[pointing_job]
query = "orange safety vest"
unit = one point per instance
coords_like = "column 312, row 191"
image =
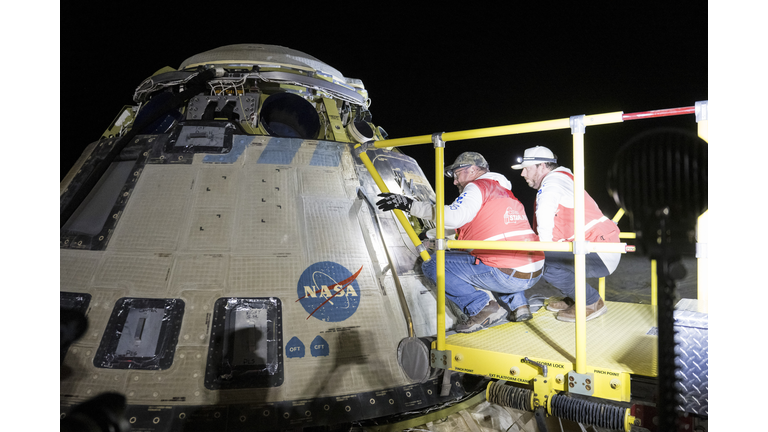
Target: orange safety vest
column 598, row 228
column 501, row 218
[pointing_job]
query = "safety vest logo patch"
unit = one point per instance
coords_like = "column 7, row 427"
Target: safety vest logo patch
column 512, row 216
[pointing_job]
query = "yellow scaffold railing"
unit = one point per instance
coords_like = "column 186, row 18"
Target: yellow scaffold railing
column 702, row 225
column 579, row 246
column 398, row 213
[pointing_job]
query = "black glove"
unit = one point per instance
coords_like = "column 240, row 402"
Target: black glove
column 391, row 201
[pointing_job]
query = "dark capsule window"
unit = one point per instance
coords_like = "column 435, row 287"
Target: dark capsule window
column 141, row 334
column 246, row 348
column 92, row 214
column 290, row 116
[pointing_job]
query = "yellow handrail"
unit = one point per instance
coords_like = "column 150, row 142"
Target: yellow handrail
column 579, row 258
column 547, row 125
column 654, row 284
column 440, row 252
column 579, row 246
column 398, row 213
column 511, row 245
column 579, row 237
column 702, row 225
column 535, row 246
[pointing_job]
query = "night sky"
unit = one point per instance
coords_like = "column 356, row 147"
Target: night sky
column 426, row 71
column 452, row 68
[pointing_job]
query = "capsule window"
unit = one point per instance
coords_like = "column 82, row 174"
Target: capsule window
column 246, row 349
column 93, row 213
column 290, row 116
column 141, row 334
column 360, row 130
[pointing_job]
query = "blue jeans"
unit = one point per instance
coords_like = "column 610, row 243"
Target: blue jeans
column 462, row 276
column 559, row 272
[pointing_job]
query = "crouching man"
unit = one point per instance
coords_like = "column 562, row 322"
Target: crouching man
column 554, row 223
column 485, row 210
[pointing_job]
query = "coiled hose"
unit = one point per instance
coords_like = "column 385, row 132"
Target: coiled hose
column 509, row 396
column 578, row 410
column 583, row 411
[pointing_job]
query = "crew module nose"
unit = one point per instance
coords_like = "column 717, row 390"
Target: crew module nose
column 221, row 240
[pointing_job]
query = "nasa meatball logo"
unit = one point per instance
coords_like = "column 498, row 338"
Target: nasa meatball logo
column 328, row 291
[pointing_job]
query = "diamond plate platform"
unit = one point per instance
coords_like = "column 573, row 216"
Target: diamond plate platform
column 693, row 359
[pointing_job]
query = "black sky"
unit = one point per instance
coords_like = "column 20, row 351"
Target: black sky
column 426, row 69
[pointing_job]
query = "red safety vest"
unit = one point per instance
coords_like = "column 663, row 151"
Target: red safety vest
column 501, row 218
column 598, row 228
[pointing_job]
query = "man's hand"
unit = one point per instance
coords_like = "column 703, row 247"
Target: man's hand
column 391, row 201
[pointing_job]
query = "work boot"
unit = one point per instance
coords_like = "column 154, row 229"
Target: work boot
column 593, row 311
column 489, row 315
column 523, row 313
column 558, row 305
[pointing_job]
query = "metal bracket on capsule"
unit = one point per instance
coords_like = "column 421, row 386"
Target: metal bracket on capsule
column 440, row 359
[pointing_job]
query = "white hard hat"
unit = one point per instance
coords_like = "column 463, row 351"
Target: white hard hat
column 533, row 156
